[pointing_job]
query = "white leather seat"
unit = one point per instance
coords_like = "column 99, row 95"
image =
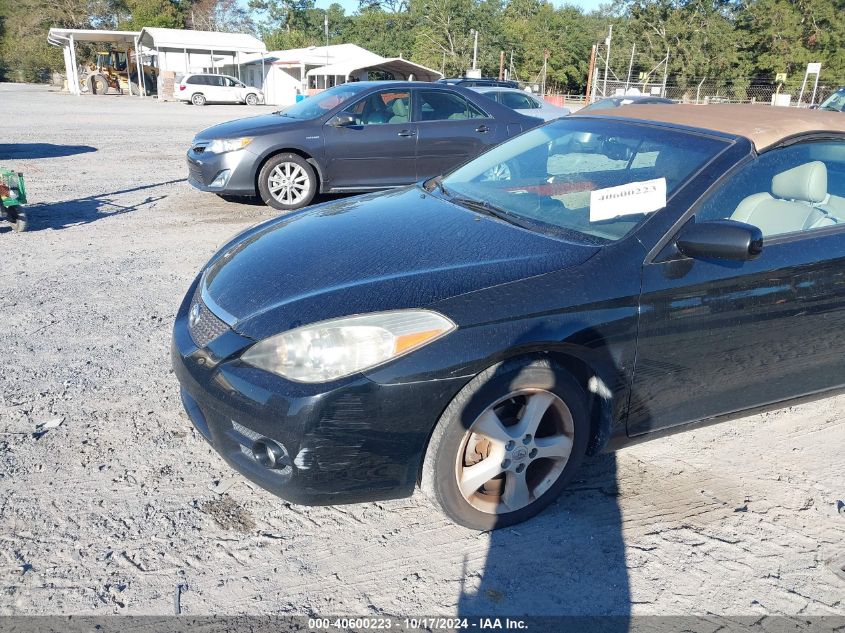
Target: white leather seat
column 795, row 204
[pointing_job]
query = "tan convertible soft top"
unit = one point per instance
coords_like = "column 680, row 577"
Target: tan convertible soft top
column 763, row 125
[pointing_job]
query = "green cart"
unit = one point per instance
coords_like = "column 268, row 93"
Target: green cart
column 12, row 199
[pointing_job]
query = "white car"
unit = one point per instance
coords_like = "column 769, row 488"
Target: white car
column 522, row 102
column 203, row 88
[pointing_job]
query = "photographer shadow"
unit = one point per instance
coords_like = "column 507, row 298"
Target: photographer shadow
column 568, row 561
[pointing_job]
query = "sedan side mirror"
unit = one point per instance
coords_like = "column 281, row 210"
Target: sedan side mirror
column 720, row 239
column 342, row 120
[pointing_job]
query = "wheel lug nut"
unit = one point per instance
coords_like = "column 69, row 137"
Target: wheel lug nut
column 526, row 439
column 520, row 468
column 533, row 453
column 509, row 446
column 506, row 464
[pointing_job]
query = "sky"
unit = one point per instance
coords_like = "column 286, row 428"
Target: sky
column 352, row 5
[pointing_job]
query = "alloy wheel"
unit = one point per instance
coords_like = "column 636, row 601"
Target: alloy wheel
column 515, row 451
column 498, row 172
column 288, row 183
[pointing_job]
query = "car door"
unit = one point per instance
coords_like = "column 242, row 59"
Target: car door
column 212, row 88
column 717, row 337
column 451, row 130
column 378, row 149
column 230, row 92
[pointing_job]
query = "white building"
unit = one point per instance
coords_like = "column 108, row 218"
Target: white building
column 184, row 51
column 283, row 75
column 176, row 51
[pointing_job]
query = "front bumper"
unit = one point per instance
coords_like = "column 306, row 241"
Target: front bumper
column 349, row 441
column 236, row 168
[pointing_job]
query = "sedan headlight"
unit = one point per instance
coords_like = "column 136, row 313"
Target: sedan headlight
column 328, row 350
column 221, row 145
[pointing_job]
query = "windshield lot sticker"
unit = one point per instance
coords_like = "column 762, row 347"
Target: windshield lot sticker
column 631, row 199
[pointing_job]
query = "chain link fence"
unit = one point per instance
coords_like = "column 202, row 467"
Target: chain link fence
column 720, row 91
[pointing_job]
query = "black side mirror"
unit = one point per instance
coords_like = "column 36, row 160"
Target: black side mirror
column 342, row 120
column 720, row 239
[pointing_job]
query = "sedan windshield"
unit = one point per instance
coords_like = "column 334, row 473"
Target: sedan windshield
column 836, row 101
column 320, row 104
column 596, row 179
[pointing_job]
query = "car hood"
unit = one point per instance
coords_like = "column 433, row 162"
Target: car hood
column 399, row 249
column 250, row 126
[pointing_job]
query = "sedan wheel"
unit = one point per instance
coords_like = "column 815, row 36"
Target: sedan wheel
column 514, row 451
column 251, row 99
column 287, row 182
column 507, row 444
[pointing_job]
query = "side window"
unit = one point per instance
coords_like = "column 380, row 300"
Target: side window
column 517, row 101
column 388, row 106
column 228, row 82
column 194, row 80
column 439, row 105
column 787, row 190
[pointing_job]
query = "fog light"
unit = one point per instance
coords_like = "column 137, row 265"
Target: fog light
column 270, row 454
column 221, row 179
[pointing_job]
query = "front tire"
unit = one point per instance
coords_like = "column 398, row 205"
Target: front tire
column 287, row 182
column 98, row 85
column 252, row 99
column 507, row 445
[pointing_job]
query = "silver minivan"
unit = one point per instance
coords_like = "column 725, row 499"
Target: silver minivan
column 203, row 88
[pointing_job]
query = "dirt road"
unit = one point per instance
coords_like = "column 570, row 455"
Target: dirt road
column 120, row 503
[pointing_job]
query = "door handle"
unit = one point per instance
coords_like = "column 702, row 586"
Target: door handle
column 482, row 128
column 407, row 133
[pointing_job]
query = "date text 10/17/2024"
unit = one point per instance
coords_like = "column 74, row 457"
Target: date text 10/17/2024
column 422, row 623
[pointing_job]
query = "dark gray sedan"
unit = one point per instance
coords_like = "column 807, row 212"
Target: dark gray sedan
column 359, row 136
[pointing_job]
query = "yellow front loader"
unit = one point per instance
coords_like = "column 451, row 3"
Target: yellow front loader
column 116, row 70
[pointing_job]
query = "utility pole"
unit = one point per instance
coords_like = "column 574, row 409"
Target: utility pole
column 326, row 29
column 665, row 72
column 474, row 48
column 630, row 66
column 510, row 67
column 501, row 65
column 590, row 75
column 607, row 59
column 545, row 70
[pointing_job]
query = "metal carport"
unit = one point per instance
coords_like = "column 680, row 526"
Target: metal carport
column 67, row 39
column 398, row 67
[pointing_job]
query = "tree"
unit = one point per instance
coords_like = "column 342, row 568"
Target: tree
column 156, row 13
column 220, row 15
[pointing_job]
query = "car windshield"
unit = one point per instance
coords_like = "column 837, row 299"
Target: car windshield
column 320, row 104
column 836, row 101
column 591, row 180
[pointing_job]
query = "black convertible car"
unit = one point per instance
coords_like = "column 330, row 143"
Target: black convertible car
column 358, row 136
column 621, row 277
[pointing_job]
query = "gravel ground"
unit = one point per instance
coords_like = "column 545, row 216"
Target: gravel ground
column 121, row 505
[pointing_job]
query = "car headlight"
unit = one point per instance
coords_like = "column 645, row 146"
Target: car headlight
column 328, row 350
column 221, row 145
